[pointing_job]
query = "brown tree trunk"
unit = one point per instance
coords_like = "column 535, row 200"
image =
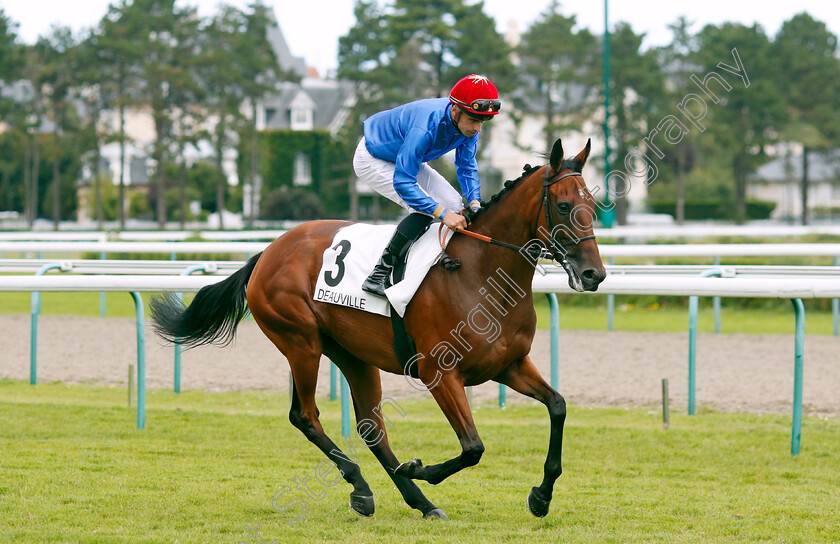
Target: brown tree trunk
column 121, row 203
column 739, row 171
column 56, row 174
column 27, row 181
column 220, row 186
column 804, row 187
column 36, row 162
column 680, row 186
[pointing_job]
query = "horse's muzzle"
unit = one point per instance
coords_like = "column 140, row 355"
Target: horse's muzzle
column 591, row 278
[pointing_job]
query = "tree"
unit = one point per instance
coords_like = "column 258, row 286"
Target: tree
column 159, row 41
column 260, row 73
column 92, row 77
column 481, row 50
column 558, row 59
column 748, row 116
column 807, row 76
column 11, row 59
column 31, row 112
column 675, row 59
column 118, row 63
column 11, row 62
column 58, row 75
column 237, row 63
column 172, row 42
column 364, row 56
column 418, row 49
column 636, row 90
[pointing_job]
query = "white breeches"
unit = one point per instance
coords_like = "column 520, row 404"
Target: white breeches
column 379, row 176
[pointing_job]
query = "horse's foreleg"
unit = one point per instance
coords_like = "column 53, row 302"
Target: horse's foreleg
column 524, row 377
column 452, row 399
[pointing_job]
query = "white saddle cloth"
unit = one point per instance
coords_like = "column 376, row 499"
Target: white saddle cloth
column 351, row 257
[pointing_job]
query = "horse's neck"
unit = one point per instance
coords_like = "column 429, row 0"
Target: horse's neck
column 510, row 220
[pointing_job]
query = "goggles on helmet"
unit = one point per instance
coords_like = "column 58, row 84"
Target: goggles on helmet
column 481, row 105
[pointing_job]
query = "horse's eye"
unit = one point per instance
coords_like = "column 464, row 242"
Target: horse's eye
column 564, row 207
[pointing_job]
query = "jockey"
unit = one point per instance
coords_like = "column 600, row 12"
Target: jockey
column 391, row 158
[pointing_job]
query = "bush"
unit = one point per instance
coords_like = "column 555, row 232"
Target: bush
column 292, row 203
column 714, row 208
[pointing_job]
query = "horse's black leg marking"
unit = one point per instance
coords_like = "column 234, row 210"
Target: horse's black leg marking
column 364, row 382
column 523, row 377
column 452, row 399
column 361, row 498
column 412, row 494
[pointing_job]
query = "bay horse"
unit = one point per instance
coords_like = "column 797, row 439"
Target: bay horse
column 549, row 205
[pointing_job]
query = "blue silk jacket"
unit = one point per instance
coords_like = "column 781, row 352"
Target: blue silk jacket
column 418, row 132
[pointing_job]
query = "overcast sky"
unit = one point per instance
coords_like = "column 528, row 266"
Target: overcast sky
column 312, row 27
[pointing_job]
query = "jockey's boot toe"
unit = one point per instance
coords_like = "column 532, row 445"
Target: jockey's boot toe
column 377, row 282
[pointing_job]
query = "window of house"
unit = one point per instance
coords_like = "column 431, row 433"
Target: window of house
column 303, row 170
column 301, row 118
column 302, row 112
column 138, row 172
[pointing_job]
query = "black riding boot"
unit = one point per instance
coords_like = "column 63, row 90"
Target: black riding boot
column 408, row 231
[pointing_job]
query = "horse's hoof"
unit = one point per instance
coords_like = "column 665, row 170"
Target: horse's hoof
column 437, row 513
column 362, row 505
column 409, row 468
column 537, row 504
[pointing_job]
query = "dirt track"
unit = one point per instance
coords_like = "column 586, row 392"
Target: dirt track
column 734, row 372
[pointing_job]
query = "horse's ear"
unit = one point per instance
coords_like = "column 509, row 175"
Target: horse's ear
column 556, row 155
column 583, row 155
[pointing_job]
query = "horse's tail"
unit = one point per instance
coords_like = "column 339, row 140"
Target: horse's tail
column 213, row 315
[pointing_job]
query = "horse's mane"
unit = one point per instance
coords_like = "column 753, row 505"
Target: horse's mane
column 568, row 164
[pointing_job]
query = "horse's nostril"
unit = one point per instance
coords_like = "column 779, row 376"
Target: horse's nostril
column 591, row 276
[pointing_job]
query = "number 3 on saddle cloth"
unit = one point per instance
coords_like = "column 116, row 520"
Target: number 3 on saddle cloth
column 350, row 258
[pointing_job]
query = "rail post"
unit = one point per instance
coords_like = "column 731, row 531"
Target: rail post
column 554, row 320
column 798, row 371
column 35, row 311
column 610, row 304
column 693, row 304
column 835, row 306
column 345, row 407
column 207, row 268
column 141, row 360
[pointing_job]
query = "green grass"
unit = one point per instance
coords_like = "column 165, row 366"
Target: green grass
column 85, row 304
column 75, row 469
column 776, row 318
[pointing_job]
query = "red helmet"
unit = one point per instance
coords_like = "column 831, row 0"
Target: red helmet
column 476, row 96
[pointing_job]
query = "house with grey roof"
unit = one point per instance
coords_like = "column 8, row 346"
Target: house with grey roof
column 780, row 180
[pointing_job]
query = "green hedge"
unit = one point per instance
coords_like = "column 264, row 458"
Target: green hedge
column 330, row 161
column 714, row 209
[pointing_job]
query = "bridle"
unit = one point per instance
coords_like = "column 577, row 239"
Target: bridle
column 545, row 201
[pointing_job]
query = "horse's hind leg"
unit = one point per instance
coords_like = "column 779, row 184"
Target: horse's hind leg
column 304, row 360
column 523, row 376
column 371, row 426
